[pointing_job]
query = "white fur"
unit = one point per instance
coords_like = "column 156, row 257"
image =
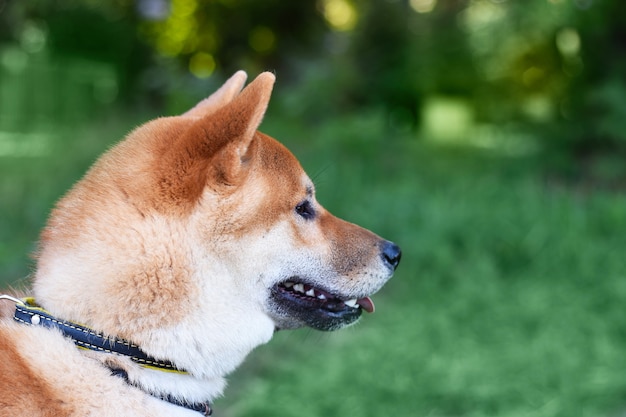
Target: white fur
column 190, row 282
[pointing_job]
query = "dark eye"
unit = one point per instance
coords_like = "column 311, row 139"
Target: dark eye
column 305, row 210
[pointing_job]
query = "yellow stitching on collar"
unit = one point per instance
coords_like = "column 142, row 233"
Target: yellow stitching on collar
column 172, row 371
column 31, row 305
column 139, row 362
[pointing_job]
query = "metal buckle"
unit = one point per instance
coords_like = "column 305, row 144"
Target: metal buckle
column 10, row 298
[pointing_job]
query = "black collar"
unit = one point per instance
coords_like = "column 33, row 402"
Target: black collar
column 204, row 408
column 28, row 312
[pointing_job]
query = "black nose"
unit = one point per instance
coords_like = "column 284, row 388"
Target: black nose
column 391, row 254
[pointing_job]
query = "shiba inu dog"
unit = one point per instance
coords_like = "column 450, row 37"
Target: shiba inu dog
column 182, row 249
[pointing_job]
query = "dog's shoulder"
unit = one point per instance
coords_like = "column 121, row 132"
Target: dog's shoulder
column 7, row 303
column 44, row 375
column 6, row 311
column 23, row 391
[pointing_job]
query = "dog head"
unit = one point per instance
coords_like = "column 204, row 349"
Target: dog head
column 197, row 236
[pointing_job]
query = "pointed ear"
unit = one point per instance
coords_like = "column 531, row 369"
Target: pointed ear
column 220, row 98
column 246, row 111
column 239, row 122
column 216, row 145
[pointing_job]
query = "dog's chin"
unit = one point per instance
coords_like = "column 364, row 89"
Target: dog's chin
column 295, row 304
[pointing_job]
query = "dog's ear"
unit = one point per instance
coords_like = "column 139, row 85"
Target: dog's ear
column 220, row 98
column 234, row 126
column 215, row 148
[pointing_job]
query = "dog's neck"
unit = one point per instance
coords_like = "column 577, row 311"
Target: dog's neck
column 202, row 407
column 159, row 378
column 181, row 387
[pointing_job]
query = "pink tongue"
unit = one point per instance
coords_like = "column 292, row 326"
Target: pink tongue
column 366, row 304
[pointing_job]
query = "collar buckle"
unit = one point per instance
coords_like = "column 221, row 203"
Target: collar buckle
column 17, row 301
column 28, row 312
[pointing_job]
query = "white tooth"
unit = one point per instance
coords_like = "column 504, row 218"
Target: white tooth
column 298, row 287
column 288, row 284
column 310, row 293
column 350, row 303
column 321, row 297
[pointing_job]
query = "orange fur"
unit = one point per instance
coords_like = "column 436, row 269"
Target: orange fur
column 181, row 239
column 22, row 392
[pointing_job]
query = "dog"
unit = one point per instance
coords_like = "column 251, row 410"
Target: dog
column 183, row 248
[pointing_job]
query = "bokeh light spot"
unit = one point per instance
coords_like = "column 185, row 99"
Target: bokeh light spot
column 14, row 60
column 33, row 38
column 423, row 6
column 202, row 64
column 262, row 39
column 568, row 42
column 341, row 15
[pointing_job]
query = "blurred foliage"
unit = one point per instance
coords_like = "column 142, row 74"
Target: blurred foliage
column 510, row 298
column 551, row 70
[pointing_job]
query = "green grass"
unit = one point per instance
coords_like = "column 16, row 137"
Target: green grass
column 509, row 300
column 30, row 183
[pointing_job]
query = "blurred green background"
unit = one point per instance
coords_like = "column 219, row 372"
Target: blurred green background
column 486, row 137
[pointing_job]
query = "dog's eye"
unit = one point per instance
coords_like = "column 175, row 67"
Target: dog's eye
column 305, row 210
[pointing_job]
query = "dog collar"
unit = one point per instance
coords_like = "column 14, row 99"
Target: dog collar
column 204, row 408
column 28, row 312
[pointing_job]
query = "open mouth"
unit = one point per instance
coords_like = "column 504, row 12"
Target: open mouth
column 309, row 294
column 316, row 307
